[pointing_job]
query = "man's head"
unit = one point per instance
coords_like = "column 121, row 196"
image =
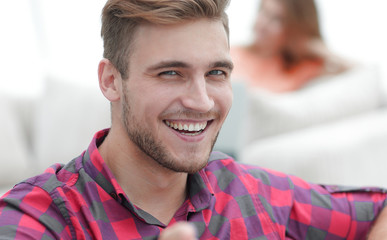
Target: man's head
column 172, row 93
column 121, row 18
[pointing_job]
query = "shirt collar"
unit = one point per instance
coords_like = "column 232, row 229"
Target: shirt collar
column 97, row 168
column 200, row 191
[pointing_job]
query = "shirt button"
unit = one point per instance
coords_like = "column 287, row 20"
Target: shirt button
column 113, row 195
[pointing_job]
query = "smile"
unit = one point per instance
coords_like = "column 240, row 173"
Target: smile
column 189, row 129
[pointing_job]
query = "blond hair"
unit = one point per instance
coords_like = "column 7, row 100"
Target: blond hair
column 120, row 19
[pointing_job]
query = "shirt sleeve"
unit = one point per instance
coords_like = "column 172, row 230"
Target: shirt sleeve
column 29, row 212
column 333, row 212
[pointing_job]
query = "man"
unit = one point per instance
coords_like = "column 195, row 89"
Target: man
column 166, row 73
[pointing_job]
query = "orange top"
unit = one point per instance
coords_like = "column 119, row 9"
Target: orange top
column 268, row 72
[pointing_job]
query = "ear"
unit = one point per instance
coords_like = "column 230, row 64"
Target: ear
column 109, row 80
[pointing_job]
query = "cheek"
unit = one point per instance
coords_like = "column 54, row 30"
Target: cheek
column 154, row 103
column 224, row 99
column 275, row 31
column 229, row 101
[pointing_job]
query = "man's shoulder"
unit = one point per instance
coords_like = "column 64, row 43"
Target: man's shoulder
column 40, row 201
column 54, row 177
column 225, row 165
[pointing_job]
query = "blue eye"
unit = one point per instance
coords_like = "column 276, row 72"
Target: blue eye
column 168, row 73
column 216, row 72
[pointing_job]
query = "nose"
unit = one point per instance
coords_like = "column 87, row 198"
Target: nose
column 196, row 96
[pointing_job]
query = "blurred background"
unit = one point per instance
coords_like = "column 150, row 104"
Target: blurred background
column 50, row 50
column 61, row 38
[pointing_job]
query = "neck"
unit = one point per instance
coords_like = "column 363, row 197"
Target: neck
column 148, row 185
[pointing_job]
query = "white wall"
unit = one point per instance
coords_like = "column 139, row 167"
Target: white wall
column 61, row 39
column 48, row 38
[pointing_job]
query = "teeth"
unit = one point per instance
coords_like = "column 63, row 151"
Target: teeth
column 187, row 127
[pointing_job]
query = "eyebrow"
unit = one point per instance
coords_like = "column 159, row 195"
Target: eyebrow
column 168, row 64
column 179, row 64
column 223, row 64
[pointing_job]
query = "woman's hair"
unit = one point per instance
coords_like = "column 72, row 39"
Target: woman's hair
column 120, row 19
column 301, row 23
column 302, row 17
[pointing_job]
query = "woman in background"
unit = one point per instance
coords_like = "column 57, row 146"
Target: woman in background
column 287, row 50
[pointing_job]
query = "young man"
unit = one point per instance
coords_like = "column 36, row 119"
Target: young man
column 166, row 73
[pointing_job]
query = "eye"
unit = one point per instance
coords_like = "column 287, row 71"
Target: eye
column 216, row 72
column 171, row 73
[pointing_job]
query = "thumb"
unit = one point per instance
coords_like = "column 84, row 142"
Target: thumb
column 179, row 231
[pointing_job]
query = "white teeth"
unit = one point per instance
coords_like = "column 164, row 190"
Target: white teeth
column 192, row 127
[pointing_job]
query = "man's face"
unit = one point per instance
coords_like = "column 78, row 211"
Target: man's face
column 178, row 92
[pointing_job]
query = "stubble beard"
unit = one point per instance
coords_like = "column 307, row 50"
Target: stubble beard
column 147, row 143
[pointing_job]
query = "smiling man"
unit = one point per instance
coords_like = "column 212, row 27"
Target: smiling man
column 175, row 99
column 166, row 71
column 167, row 113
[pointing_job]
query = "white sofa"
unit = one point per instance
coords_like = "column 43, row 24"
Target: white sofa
column 333, row 131
column 54, row 127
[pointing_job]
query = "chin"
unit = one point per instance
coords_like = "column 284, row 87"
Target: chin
column 188, row 163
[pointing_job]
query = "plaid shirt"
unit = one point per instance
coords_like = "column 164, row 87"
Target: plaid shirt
column 227, row 200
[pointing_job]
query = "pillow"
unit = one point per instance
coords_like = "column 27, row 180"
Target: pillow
column 14, row 157
column 325, row 99
column 67, row 118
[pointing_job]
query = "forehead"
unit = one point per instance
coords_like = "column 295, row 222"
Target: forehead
column 201, row 41
column 274, row 6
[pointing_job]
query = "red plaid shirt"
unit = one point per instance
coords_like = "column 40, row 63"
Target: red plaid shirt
column 227, row 200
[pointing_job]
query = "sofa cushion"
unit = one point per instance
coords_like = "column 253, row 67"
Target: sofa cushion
column 67, row 117
column 325, row 99
column 348, row 152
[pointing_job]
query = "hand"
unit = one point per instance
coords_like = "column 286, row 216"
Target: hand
column 179, row 231
column 379, row 230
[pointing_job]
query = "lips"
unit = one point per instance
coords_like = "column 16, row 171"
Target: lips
column 187, row 128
